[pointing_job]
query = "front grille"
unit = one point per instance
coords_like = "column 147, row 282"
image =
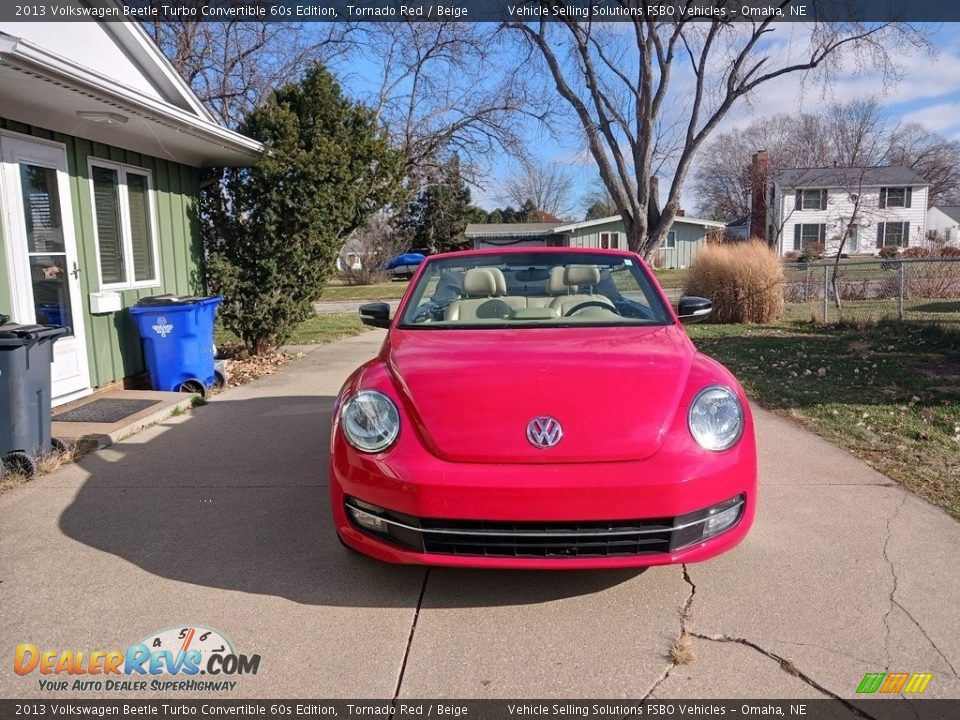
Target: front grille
column 479, row 538
column 524, row 539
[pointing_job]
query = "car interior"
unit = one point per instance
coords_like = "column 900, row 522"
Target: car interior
column 562, row 294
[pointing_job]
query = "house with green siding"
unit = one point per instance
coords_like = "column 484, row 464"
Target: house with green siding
column 686, row 236
column 102, row 145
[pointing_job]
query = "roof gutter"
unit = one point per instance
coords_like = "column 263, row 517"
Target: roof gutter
column 34, row 59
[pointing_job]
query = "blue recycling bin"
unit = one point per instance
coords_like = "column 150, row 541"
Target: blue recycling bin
column 177, row 334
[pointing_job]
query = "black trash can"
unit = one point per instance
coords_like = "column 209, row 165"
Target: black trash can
column 26, row 354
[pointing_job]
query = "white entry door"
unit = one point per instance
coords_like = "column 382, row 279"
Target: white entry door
column 42, row 253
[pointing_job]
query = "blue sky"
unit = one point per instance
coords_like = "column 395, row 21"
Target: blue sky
column 928, row 93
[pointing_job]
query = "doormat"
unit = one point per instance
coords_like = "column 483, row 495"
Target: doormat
column 104, row 410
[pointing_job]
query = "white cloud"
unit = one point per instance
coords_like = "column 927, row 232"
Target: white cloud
column 943, row 117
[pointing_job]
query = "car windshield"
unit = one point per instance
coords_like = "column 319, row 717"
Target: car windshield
column 537, row 289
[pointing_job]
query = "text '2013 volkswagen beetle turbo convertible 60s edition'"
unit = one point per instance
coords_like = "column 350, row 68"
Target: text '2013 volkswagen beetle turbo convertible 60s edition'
column 541, row 408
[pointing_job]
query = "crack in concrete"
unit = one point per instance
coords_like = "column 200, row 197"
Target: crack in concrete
column 684, row 614
column 893, row 590
column 785, row 664
column 896, row 603
column 823, row 647
column 406, row 651
column 788, row 667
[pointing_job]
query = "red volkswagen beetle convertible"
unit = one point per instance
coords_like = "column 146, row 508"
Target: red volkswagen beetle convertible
column 541, row 408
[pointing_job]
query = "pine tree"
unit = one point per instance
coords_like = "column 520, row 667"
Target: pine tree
column 272, row 232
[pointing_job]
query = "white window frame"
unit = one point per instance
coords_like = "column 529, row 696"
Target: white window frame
column 671, row 242
column 803, row 198
column 613, row 240
column 121, row 169
column 904, row 233
column 903, row 200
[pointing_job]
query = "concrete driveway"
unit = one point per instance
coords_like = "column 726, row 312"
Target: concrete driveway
column 221, row 519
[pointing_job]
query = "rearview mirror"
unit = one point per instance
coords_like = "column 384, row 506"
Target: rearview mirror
column 694, row 309
column 375, row 314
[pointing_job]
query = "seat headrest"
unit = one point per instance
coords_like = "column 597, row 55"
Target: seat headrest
column 555, row 285
column 479, row 282
column 581, row 275
column 500, row 280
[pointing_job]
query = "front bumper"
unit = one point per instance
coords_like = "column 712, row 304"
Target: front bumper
column 521, row 516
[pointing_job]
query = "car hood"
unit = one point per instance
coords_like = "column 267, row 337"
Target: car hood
column 472, row 393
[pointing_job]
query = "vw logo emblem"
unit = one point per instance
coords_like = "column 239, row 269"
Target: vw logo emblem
column 544, row 432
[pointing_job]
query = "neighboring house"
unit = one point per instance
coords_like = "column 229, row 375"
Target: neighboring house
column 812, row 207
column 686, row 236
column 738, row 229
column 101, row 144
column 486, row 235
column 945, row 222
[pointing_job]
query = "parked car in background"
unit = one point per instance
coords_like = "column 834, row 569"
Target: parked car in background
column 541, row 408
column 404, row 266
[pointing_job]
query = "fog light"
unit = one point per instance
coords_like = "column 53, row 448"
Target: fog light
column 721, row 517
column 366, row 515
column 721, row 521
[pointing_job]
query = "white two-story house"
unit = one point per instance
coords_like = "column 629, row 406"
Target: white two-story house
column 814, row 207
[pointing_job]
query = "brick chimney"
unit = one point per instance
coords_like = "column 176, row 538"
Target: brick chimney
column 758, row 195
column 681, row 213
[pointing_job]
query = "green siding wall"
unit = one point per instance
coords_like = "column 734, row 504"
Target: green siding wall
column 689, row 238
column 113, row 345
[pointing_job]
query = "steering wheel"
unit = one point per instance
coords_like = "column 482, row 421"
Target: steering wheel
column 590, row 303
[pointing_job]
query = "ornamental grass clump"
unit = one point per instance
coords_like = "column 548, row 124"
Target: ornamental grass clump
column 744, row 280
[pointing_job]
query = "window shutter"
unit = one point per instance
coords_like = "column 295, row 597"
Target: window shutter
column 106, row 199
column 908, row 196
column 140, row 227
column 879, row 235
column 823, row 199
column 796, row 237
column 798, row 205
column 906, row 234
column 823, row 233
column 883, row 197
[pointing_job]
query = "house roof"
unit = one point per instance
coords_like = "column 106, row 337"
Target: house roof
column 511, row 229
column 616, row 218
column 52, row 79
column 845, row 177
column 952, row 211
column 545, row 229
column 739, row 222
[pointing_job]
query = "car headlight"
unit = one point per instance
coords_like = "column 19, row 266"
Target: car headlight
column 370, row 421
column 716, row 418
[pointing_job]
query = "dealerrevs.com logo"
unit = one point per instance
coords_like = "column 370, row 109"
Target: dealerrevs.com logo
column 167, row 660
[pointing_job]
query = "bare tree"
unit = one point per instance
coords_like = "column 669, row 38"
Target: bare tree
column 233, row 66
column 548, row 185
column 932, row 156
column 853, row 134
column 722, row 180
column 435, row 96
column 620, row 85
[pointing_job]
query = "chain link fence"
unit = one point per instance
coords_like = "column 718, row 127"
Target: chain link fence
column 923, row 289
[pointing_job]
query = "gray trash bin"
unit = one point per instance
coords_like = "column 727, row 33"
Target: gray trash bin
column 26, row 354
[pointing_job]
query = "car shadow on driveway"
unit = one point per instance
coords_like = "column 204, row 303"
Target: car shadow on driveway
column 236, row 498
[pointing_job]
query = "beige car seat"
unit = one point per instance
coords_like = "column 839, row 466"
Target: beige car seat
column 516, row 302
column 555, row 289
column 580, row 281
column 480, row 289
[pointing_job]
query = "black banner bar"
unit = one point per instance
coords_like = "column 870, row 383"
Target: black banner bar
column 880, row 709
column 482, row 10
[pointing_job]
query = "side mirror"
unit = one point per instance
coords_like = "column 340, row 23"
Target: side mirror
column 375, row 314
column 694, row 309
